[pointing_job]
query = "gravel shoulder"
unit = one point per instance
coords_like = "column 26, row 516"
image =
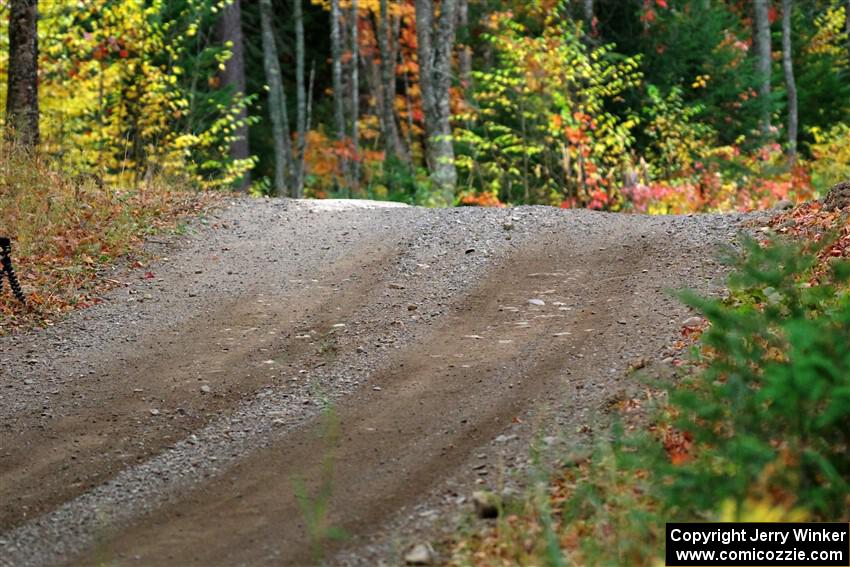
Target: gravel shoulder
column 170, row 425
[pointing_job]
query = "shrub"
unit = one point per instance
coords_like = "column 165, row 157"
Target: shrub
column 771, row 411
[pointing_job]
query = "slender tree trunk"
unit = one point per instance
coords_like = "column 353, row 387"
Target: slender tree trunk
column 22, row 94
column 435, row 76
column 791, row 85
column 587, row 9
column 355, row 96
column 464, row 55
column 336, row 74
column 763, row 61
column 230, row 31
column 301, row 98
column 393, row 143
column 277, row 102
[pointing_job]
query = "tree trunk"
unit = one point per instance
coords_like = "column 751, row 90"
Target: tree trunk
column 464, row 56
column 355, row 96
column 791, row 85
column 763, row 61
column 587, row 7
column 230, row 30
column 277, row 102
column 22, row 94
column 393, row 143
column 435, row 60
column 301, row 98
column 336, row 74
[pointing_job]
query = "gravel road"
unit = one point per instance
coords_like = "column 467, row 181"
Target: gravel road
column 381, row 362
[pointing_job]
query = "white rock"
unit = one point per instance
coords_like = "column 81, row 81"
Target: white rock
column 420, row 554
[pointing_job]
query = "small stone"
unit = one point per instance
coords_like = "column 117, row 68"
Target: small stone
column 420, row 554
column 486, row 504
column 412, row 307
column 535, row 301
column 154, row 412
column 784, row 205
column 206, row 389
column 505, row 438
column 376, row 388
column 393, row 285
column 692, row 322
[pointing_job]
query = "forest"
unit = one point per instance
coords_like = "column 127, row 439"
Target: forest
column 662, row 106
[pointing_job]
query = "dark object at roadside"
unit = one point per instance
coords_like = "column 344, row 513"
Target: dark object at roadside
column 8, row 270
column 838, row 197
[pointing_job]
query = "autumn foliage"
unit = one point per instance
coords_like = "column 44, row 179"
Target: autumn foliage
column 69, row 232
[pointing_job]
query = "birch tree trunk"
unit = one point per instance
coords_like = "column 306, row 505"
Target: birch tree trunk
column 392, row 140
column 301, row 99
column 336, row 74
column 355, row 96
column 230, row 31
column 464, row 56
column 763, row 61
column 791, row 85
column 435, row 60
column 22, row 79
column 587, row 8
column 277, row 103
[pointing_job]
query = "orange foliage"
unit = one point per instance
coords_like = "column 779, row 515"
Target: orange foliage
column 480, row 200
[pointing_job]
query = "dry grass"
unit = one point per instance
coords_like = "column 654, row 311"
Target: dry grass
column 66, row 231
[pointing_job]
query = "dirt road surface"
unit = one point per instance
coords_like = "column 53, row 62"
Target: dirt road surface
column 294, row 366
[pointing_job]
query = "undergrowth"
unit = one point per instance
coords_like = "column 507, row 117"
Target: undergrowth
column 757, row 429
column 67, row 230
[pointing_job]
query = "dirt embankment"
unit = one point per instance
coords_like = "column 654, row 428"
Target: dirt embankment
column 172, row 424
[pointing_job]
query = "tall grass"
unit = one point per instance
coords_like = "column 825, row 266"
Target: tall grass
column 65, row 229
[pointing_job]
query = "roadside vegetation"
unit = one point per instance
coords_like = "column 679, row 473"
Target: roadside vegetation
column 69, row 233
column 753, row 428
